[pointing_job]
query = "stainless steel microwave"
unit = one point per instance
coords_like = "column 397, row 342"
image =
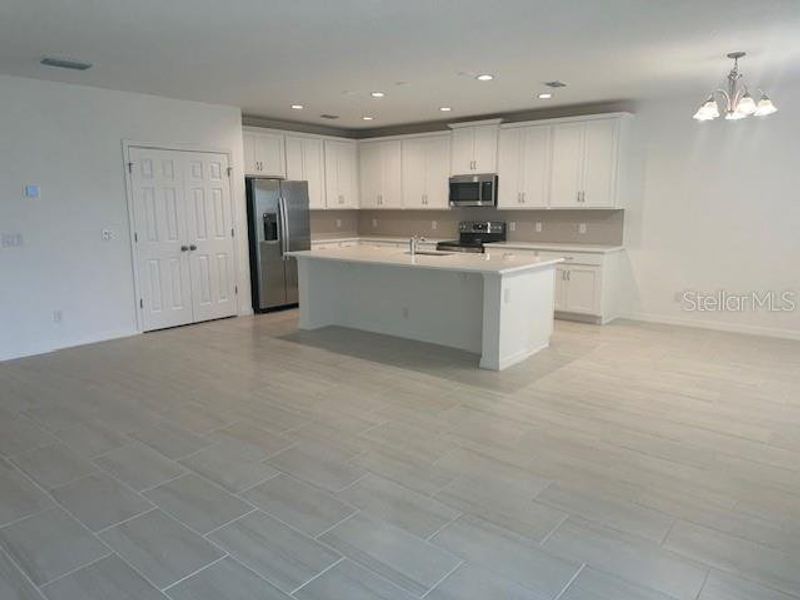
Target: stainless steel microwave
column 473, row 190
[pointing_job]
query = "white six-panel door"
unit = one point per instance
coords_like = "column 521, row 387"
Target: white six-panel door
column 210, row 235
column 183, row 236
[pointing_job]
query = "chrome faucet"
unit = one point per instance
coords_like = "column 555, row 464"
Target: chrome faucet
column 412, row 244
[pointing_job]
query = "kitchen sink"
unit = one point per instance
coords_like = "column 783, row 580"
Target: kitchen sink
column 430, row 253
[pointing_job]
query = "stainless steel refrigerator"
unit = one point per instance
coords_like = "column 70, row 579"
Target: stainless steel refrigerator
column 278, row 219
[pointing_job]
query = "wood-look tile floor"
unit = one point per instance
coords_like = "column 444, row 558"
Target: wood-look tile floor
column 244, row 459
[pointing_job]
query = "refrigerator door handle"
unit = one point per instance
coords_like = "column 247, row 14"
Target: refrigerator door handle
column 285, row 226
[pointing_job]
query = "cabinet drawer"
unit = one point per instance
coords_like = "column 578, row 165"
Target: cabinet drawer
column 576, row 258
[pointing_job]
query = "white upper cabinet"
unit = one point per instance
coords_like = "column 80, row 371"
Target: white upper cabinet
column 341, row 174
column 264, row 154
column 426, row 167
column 474, row 148
column 381, row 174
column 524, row 167
column 585, row 164
column 304, row 162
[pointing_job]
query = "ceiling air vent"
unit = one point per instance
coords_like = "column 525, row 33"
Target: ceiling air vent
column 64, row 63
column 327, row 116
column 555, row 84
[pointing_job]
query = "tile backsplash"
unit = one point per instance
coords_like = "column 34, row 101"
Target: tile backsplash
column 601, row 226
column 334, row 223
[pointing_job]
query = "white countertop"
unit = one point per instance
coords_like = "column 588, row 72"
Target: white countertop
column 494, row 262
column 556, row 247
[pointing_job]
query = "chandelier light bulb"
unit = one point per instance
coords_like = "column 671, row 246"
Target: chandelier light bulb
column 708, row 111
column 765, row 107
column 746, row 105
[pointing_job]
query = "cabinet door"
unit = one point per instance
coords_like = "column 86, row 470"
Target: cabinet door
column 510, row 162
column 304, row 163
column 294, row 159
column 269, row 154
column 349, row 174
column 313, row 172
column 599, row 163
column 485, row 153
column 250, row 164
column 391, row 175
column 535, row 169
column 463, row 151
column 370, row 174
column 437, row 170
column 414, row 172
column 567, row 164
column 582, row 290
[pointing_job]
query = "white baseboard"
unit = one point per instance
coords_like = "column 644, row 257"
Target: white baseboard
column 786, row 334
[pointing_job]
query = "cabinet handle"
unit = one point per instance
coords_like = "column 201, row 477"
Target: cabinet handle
column 192, row 247
column 184, row 248
column 522, row 197
column 583, row 197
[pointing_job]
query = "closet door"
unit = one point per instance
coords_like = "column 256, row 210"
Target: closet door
column 210, row 235
column 161, row 247
column 184, row 244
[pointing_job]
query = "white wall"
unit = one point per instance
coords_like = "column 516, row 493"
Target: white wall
column 719, row 210
column 68, row 140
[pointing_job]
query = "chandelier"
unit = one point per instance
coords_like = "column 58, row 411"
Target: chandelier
column 736, row 101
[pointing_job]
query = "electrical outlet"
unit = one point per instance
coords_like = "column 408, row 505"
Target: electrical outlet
column 405, row 312
column 338, row 223
column 581, row 228
column 108, row 235
column 374, row 223
column 512, row 226
column 507, row 295
column 11, row 240
column 58, row 316
column 434, row 225
column 538, row 227
column 31, row 191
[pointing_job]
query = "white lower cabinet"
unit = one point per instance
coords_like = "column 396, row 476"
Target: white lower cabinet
column 578, row 289
column 588, row 283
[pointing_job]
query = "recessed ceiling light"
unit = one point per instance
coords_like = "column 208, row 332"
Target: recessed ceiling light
column 545, row 96
column 367, row 118
column 445, row 108
column 298, row 106
column 484, row 77
column 377, row 94
column 328, row 116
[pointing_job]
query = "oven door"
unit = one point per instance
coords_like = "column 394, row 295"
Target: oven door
column 473, row 190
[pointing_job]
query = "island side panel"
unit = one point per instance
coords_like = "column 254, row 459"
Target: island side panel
column 518, row 311
column 319, row 305
column 436, row 306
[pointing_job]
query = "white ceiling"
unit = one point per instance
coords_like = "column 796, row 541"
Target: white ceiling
column 264, row 55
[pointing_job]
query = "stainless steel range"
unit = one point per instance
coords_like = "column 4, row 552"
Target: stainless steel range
column 472, row 235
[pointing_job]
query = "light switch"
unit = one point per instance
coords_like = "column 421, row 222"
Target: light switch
column 512, row 226
column 434, row 225
column 538, row 227
column 31, row 191
column 338, row 223
column 582, row 228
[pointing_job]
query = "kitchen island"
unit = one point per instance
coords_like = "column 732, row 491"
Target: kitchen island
column 498, row 304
